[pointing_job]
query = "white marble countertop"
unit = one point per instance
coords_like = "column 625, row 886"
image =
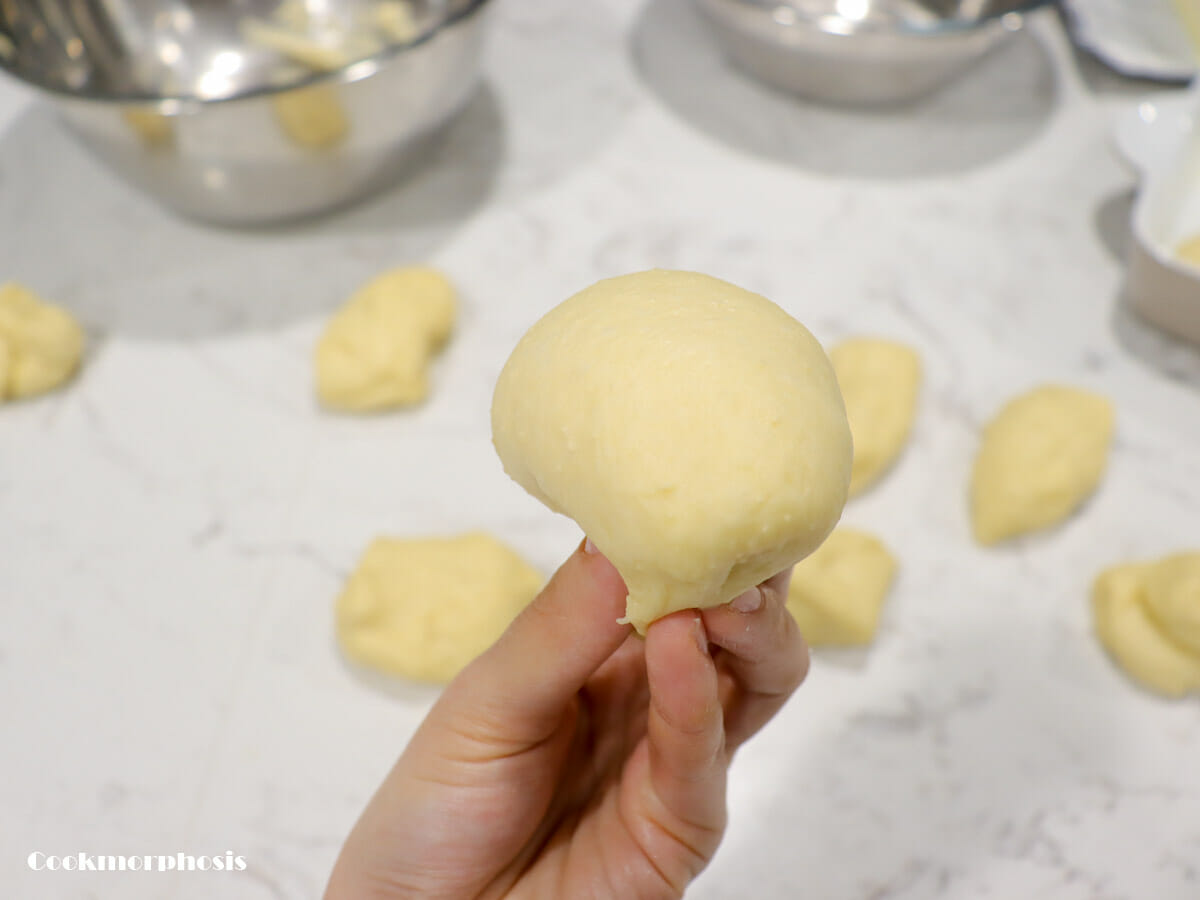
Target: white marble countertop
column 175, row 525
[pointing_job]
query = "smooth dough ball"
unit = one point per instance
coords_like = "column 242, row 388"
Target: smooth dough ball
column 879, row 381
column 693, row 429
column 40, row 344
column 837, row 594
column 1128, row 631
column 1173, row 598
column 375, row 351
column 1040, row 459
column 424, row 608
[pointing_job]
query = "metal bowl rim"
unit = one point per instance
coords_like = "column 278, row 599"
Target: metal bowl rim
column 944, row 28
column 177, row 104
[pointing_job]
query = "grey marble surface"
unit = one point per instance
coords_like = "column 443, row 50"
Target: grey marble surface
column 175, row 526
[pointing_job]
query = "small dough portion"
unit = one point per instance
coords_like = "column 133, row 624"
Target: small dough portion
column 152, row 128
column 40, row 344
column 375, row 351
column 880, row 381
column 312, row 116
column 693, row 429
column 1130, row 634
column 1173, row 598
column 837, row 594
column 424, row 608
column 1041, row 457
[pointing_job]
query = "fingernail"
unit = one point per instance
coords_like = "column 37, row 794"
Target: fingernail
column 700, row 635
column 747, row 601
column 588, row 546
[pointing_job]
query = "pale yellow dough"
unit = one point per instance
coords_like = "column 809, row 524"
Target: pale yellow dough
column 693, row 429
column 375, row 351
column 837, row 593
column 1173, row 598
column 1151, row 655
column 879, row 381
column 312, row 116
column 424, row 608
column 1040, row 459
column 40, row 344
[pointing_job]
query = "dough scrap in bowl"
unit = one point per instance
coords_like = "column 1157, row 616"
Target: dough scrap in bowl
column 693, row 429
column 423, row 608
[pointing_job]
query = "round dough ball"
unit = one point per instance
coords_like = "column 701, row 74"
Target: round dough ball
column 424, row 608
column 693, row 429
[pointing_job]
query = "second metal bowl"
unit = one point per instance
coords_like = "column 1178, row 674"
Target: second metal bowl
column 861, row 51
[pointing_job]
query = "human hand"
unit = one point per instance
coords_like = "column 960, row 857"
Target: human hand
column 575, row 759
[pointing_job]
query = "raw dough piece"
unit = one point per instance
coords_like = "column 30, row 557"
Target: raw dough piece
column 1040, row 459
column 879, row 381
column 153, row 129
column 376, row 349
column 40, row 344
column 1173, row 598
column 423, row 609
column 394, row 19
column 837, row 593
column 1127, row 630
column 312, row 116
column 693, row 429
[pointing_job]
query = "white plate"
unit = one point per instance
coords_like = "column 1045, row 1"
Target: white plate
column 1142, row 38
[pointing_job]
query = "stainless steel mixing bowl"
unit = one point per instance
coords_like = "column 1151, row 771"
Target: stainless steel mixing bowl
column 861, row 51
column 251, row 111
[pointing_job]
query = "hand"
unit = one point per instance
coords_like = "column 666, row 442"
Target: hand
column 574, row 759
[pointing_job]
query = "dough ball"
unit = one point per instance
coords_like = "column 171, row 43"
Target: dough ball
column 375, row 351
column 40, row 344
column 693, row 429
column 879, row 381
column 423, row 609
column 1040, row 459
column 1130, row 634
column 1173, row 598
column 837, row 593
column 312, row 116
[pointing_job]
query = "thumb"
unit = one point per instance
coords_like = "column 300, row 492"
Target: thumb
column 517, row 689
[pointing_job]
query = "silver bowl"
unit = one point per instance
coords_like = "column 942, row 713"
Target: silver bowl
column 250, row 112
column 861, row 51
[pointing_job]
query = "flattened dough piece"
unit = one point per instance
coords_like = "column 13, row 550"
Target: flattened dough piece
column 40, row 344
column 693, row 429
column 376, row 349
column 1040, row 459
column 424, row 608
column 1173, row 598
column 880, row 381
column 837, row 593
column 1129, row 633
